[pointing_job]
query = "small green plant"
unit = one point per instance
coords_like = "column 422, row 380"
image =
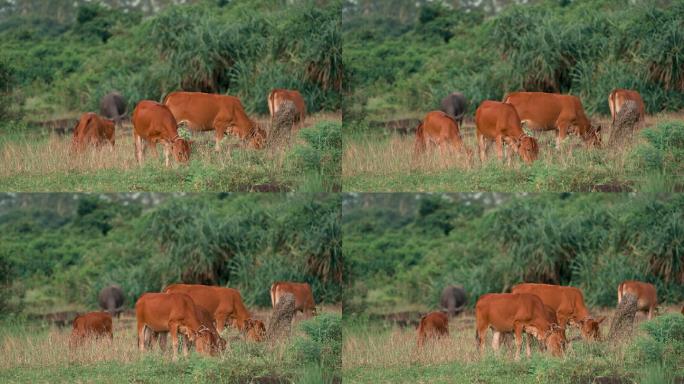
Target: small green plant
column 322, row 344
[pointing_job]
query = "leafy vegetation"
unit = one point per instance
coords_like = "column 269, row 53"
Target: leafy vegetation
column 62, row 253
column 409, row 59
column 402, row 249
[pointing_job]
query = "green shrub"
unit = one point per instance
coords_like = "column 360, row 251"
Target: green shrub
column 322, row 153
column 665, row 148
column 322, row 344
column 664, row 343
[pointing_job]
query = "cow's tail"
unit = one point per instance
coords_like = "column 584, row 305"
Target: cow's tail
column 273, row 289
column 620, row 292
column 419, row 146
column 611, row 104
column 477, row 337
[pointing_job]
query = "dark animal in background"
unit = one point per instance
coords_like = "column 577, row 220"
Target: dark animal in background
column 113, row 106
column 455, row 105
column 111, row 299
column 453, row 299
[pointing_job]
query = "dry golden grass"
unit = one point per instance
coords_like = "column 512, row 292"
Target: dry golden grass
column 37, row 347
column 374, row 163
column 47, row 164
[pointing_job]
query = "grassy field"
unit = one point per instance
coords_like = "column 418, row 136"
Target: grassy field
column 42, row 162
column 382, row 162
column 38, row 353
column 378, row 353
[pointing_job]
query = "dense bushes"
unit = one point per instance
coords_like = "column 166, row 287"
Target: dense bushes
column 244, row 48
column 322, row 345
column 590, row 241
column 322, row 153
column 585, row 48
column 246, row 242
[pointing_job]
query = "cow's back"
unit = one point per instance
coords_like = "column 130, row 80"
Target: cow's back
column 301, row 291
column 151, row 120
column 199, row 109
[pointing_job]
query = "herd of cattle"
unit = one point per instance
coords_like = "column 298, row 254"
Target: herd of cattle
column 503, row 122
column 196, row 313
column 542, row 311
column 157, row 123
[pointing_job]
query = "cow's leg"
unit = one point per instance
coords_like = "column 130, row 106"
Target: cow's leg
column 167, row 152
column 482, row 146
column 499, row 147
column 220, row 132
column 173, row 329
column 480, row 334
column 162, row 340
column 528, row 352
column 141, row 337
column 518, row 340
column 496, row 340
column 186, row 341
column 509, row 151
column 562, row 132
column 220, row 321
column 138, row 147
column 650, row 312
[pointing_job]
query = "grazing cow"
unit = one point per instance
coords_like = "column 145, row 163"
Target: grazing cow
column 113, row 106
column 92, row 324
column 439, row 129
column 432, row 326
column 453, row 299
column 647, row 298
column 111, row 299
column 255, row 330
column 455, row 105
column 174, row 313
column 550, row 111
column 223, row 303
column 618, row 97
column 500, row 122
column 91, row 129
column 568, row 302
column 550, row 314
column 153, row 123
column 304, row 301
column 216, row 342
column 277, row 96
column 518, row 313
column 220, row 113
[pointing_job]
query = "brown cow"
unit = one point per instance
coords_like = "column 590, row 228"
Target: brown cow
column 304, row 301
column 568, row 302
column 433, row 325
column 500, row 122
column 550, row 111
column 618, row 97
column 153, row 123
column 550, row 314
column 277, row 96
column 92, row 129
column 171, row 312
column 92, row 324
column 216, row 342
column 223, row 303
column 516, row 312
column 647, row 298
column 439, row 129
column 220, row 113
column 255, row 330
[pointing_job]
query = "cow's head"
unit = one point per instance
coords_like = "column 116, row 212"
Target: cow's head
column 205, row 341
column 528, row 148
column 257, row 137
column 590, row 328
column 554, row 340
column 181, row 150
column 592, row 136
column 255, row 330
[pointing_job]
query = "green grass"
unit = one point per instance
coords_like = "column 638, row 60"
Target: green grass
column 376, row 353
column 386, row 163
column 42, row 163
